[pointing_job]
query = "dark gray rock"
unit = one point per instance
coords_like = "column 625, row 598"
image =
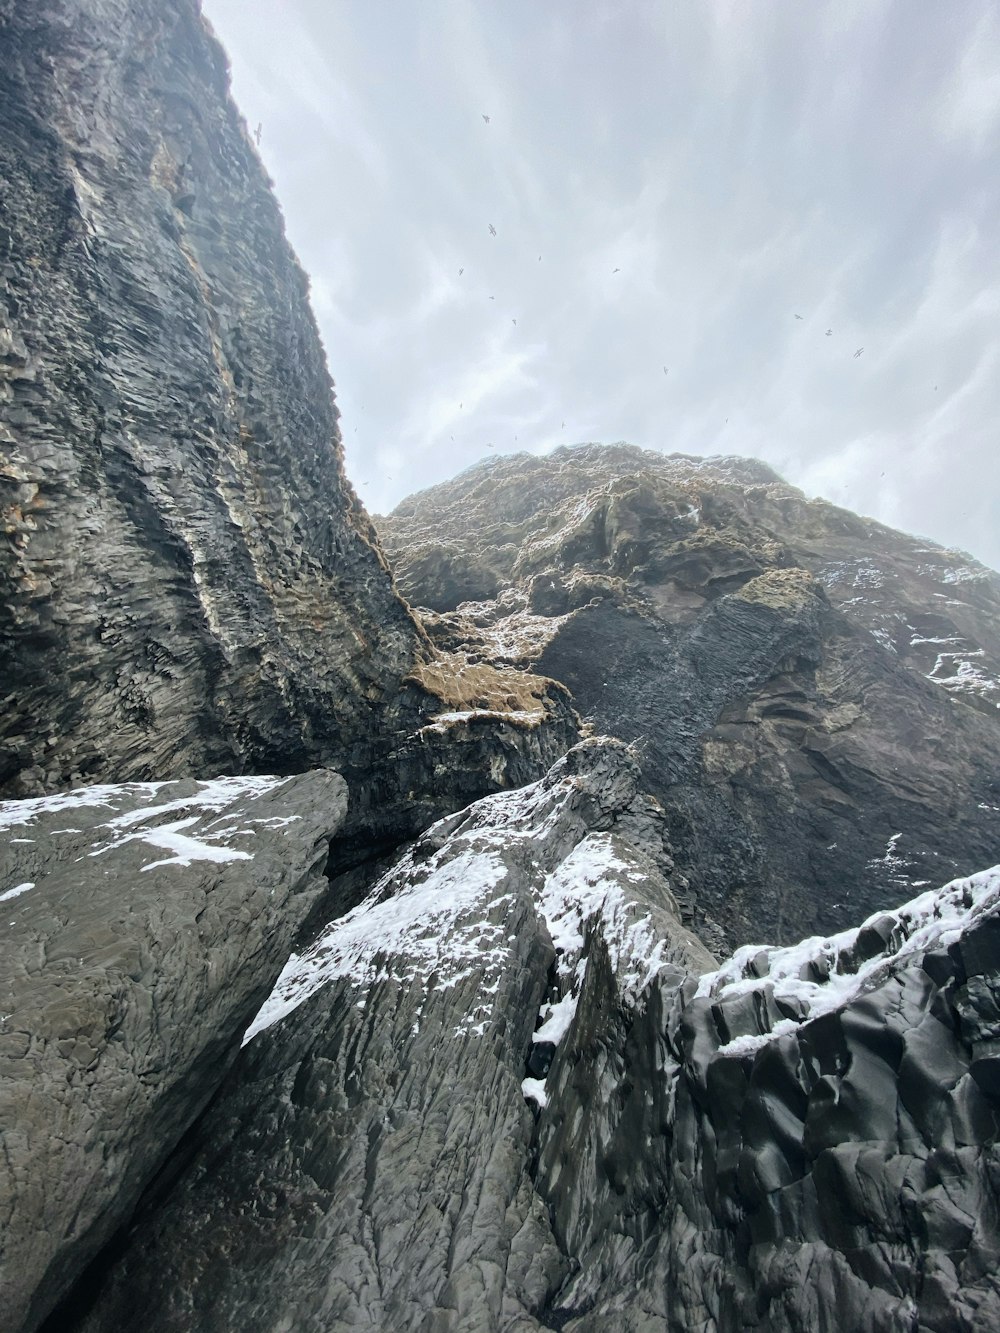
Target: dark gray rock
column 816, row 695
column 188, row 583
column 804, row 1138
column 142, row 927
column 369, row 1164
column 834, row 1170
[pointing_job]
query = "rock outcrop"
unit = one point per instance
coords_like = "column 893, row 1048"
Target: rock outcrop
column 510, row 1090
column 143, row 926
column 190, row 585
column 496, row 1081
column 369, row 1163
column 816, row 695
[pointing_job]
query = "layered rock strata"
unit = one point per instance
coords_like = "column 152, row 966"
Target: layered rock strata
column 815, row 694
column 143, row 925
column 189, row 584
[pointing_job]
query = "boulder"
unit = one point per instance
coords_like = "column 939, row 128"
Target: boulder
column 143, row 924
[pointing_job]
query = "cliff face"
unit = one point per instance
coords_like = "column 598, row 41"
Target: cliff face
column 502, row 1082
column 498, row 1095
column 816, row 696
column 143, row 926
column 190, row 583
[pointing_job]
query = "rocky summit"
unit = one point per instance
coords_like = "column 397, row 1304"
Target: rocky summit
column 816, row 697
column 570, row 902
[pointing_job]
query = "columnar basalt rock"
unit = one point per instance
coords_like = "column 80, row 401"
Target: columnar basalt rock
column 510, row 1090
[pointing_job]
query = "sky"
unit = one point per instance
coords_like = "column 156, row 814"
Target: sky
column 758, row 227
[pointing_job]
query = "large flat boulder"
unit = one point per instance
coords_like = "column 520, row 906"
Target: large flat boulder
column 142, row 926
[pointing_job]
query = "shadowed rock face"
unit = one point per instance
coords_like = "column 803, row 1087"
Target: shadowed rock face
column 816, row 695
column 800, row 1139
column 142, row 927
column 190, row 583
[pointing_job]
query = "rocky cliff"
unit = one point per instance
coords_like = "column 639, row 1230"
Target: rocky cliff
column 510, row 1090
column 143, row 925
column 264, row 1068
column 817, row 696
column 190, row 585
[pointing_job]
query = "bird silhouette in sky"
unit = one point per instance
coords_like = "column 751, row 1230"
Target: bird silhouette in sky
column 616, row 270
column 493, row 230
column 514, row 322
column 257, row 132
column 798, row 316
column 858, row 353
column 461, row 271
column 829, row 333
column 666, row 371
column 486, row 117
column 564, row 425
column 492, row 298
column 539, row 258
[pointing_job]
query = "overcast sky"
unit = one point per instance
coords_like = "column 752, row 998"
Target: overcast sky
column 671, row 183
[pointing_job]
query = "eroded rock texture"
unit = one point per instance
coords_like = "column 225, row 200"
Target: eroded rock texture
column 142, row 926
column 369, row 1164
column 816, row 695
column 510, row 1090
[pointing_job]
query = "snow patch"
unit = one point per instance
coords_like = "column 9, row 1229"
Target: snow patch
column 16, row 891
column 414, row 934
column 534, row 1091
column 821, row 974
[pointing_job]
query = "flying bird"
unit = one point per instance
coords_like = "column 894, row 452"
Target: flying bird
column 829, row 332
column 666, row 371
column 858, row 353
column 616, row 270
column 493, row 230
column 492, row 298
column 514, row 322
column 257, row 132
column 798, row 316
column 486, row 117
column 539, row 258
column 461, row 271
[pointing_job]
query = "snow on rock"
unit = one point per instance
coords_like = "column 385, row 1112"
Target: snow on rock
column 588, row 888
column 435, row 926
column 16, row 891
column 824, row 973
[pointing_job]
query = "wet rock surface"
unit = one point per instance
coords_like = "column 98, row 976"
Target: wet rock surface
column 815, row 693
column 142, row 927
column 818, row 1131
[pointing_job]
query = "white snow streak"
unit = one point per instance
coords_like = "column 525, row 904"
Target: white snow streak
column 16, row 891
column 419, row 930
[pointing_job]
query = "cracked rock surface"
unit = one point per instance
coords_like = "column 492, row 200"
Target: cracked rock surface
column 369, row 1162
column 816, row 695
column 510, row 1090
column 142, row 925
